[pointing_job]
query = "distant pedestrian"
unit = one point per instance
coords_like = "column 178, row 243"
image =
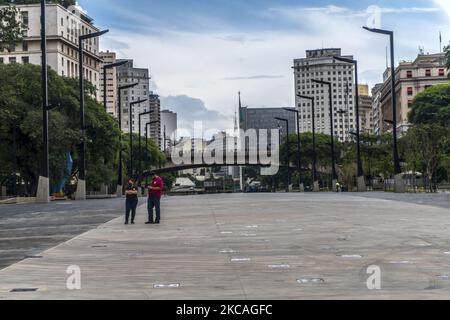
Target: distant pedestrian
column 154, row 199
column 338, row 187
column 131, row 203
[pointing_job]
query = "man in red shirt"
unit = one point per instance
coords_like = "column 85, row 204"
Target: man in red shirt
column 154, row 196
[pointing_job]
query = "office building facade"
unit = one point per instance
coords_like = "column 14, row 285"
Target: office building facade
column 320, row 65
column 64, row 26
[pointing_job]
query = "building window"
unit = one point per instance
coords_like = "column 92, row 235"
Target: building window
column 441, row 72
column 25, row 46
column 1, row 61
column 12, row 60
column 428, row 73
column 410, row 91
column 25, row 19
column 25, row 60
column 409, row 74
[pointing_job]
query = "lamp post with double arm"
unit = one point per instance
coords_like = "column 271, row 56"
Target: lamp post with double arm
column 147, row 131
column 140, row 141
column 119, row 113
column 288, row 188
column 333, row 156
column 314, row 155
column 130, row 128
column 361, row 184
column 299, row 168
column 81, row 187
column 399, row 186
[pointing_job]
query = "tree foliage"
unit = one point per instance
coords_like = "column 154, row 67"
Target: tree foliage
column 427, row 145
column 12, row 28
column 432, row 106
column 20, row 108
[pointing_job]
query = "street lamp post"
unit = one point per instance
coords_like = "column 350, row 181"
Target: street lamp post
column 314, row 160
column 130, row 129
column 288, row 153
column 399, row 186
column 301, row 186
column 105, row 67
column 147, row 125
column 43, row 191
column 333, row 158
column 119, row 113
column 361, row 184
column 81, row 187
column 140, row 139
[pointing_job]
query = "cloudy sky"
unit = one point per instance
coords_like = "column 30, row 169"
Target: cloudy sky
column 202, row 52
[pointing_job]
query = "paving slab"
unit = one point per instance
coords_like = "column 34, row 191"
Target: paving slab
column 251, row 246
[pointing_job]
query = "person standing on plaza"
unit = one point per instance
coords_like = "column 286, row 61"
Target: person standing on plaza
column 154, row 199
column 131, row 203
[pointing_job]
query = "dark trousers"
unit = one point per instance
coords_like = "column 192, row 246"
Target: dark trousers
column 130, row 206
column 153, row 203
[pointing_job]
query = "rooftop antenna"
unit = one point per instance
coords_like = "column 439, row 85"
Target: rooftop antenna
column 440, row 41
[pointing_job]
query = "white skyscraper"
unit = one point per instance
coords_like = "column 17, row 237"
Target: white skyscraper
column 320, row 65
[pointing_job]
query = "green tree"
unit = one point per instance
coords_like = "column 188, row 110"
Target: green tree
column 12, row 28
column 432, row 106
column 430, row 143
column 20, row 108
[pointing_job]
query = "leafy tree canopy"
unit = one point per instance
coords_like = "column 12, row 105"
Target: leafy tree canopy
column 432, row 106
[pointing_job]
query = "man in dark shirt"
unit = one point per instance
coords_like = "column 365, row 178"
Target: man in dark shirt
column 154, row 197
column 131, row 201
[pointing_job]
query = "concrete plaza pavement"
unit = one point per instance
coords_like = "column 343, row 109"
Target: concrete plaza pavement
column 251, row 246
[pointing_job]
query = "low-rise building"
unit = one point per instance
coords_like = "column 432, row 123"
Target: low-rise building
column 411, row 78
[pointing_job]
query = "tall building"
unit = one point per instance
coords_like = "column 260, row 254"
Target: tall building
column 320, row 65
column 64, row 26
column 365, row 109
column 264, row 118
column 128, row 74
column 111, row 82
column 169, row 128
column 155, row 117
column 411, row 78
column 376, row 109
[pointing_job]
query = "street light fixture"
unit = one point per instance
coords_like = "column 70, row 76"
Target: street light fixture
column 43, row 191
column 130, row 129
column 140, row 148
column 288, row 153
column 314, row 162
column 146, row 142
column 397, row 169
column 119, row 112
column 333, row 159
column 105, row 67
column 81, row 187
column 361, row 181
column 299, row 169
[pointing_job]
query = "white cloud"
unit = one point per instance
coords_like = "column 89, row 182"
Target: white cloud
column 444, row 4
